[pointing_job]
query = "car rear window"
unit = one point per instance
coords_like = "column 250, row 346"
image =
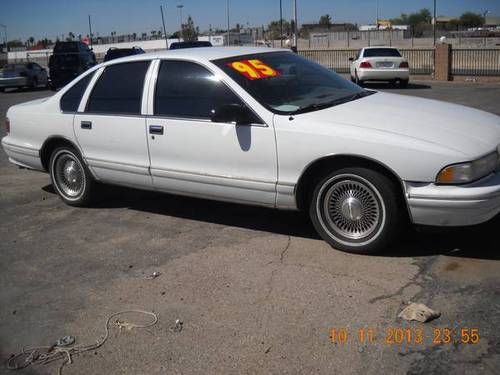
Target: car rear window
column 66, row 47
column 381, row 52
column 119, row 89
column 71, row 99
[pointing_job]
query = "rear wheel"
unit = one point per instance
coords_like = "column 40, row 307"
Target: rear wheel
column 356, row 210
column 404, row 82
column 70, row 177
column 357, row 80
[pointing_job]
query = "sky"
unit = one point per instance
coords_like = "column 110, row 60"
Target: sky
column 52, row 18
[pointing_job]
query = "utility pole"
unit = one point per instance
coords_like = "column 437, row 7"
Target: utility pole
column 377, row 13
column 180, row 6
column 90, row 31
column 164, row 28
column 228, row 31
column 434, row 25
column 295, row 25
column 281, row 23
column 5, row 37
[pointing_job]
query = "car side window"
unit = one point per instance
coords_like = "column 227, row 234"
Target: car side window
column 119, row 89
column 187, row 90
column 71, row 99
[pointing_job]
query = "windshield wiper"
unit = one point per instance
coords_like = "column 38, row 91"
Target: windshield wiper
column 345, row 99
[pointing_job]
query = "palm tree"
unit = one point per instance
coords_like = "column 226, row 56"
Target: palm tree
column 134, row 35
column 153, row 34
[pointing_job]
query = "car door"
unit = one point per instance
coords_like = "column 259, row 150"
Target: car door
column 192, row 155
column 110, row 127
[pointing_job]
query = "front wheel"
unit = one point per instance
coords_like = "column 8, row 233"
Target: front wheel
column 356, row 210
column 70, row 177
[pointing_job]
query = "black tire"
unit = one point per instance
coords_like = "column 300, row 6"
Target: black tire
column 70, row 177
column 2, row 89
column 359, row 193
column 403, row 83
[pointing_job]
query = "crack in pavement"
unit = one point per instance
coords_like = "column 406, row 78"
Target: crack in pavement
column 417, row 280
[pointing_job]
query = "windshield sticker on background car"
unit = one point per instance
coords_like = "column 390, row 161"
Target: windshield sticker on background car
column 253, row 69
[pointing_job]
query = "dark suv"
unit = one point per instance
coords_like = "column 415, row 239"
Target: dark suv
column 115, row 53
column 69, row 59
column 195, row 44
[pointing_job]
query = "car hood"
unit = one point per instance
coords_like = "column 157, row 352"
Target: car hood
column 465, row 130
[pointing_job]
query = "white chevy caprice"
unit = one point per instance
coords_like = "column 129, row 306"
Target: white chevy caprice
column 265, row 127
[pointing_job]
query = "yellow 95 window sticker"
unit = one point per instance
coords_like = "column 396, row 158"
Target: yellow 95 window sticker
column 253, row 69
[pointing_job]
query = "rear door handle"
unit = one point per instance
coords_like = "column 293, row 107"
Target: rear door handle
column 156, row 129
column 86, row 124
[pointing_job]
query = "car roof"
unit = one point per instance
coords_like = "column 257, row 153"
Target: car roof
column 199, row 54
column 379, row 47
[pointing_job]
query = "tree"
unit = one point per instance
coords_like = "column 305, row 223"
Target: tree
column 31, row 40
column 71, row 36
column 274, row 29
column 419, row 21
column 469, row 19
column 190, row 31
column 325, row 20
column 134, row 36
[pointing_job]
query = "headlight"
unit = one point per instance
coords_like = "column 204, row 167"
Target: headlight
column 468, row 172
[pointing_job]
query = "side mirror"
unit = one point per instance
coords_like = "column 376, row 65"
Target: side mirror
column 237, row 113
column 351, row 58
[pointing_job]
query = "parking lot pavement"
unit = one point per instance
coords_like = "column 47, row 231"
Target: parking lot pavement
column 256, row 289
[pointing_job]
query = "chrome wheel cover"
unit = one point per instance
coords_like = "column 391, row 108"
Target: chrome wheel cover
column 351, row 209
column 69, row 176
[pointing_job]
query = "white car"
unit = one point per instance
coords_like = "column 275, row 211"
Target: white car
column 265, row 127
column 379, row 64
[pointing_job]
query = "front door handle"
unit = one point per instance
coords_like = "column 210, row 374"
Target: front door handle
column 86, row 124
column 156, row 129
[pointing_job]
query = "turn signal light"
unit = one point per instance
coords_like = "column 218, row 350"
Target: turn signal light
column 404, row 64
column 7, row 126
column 365, row 64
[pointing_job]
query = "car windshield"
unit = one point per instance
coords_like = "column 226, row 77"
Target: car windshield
column 286, row 83
column 381, row 52
column 11, row 67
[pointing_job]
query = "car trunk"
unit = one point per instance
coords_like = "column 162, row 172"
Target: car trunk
column 386, row 62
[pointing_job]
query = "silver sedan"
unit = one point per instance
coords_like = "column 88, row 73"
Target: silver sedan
column 21, row 75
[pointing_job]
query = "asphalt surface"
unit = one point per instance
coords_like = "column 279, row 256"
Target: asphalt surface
column 257, row 291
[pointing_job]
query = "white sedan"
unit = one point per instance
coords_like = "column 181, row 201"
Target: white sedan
column 379, row 64
column 265, row 127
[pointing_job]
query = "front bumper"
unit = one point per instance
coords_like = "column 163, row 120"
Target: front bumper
column 375, row 74
column 445, row 205
column 13, row 82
